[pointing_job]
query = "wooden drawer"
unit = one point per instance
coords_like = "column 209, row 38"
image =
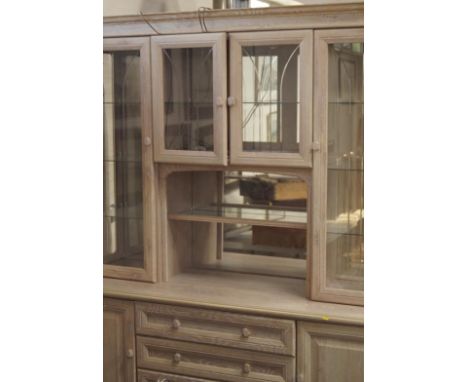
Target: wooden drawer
column 155, row 376
column 213, row 362
column 218, row 328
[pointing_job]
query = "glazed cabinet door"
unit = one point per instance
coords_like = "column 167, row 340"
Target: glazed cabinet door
column 119, row 341
column 189, row 106
column 338, row 173
column 330, row 353
column 129, row 180
column 271, row 98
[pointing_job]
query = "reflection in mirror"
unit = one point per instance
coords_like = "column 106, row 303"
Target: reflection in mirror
column 123, row 221
column 270, row 98
column 345, row 206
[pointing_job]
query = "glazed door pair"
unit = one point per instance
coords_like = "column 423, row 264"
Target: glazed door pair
column 270, row 98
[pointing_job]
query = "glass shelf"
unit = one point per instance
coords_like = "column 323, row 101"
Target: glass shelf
column 244, row 215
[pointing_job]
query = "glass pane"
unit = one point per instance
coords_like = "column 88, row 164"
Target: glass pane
column 345, row 206
column 123, row 207
column 270, row 98
column 188, row 98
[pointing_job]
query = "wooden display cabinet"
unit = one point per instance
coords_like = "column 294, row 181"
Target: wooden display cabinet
column 234, row 146
column 130, row 211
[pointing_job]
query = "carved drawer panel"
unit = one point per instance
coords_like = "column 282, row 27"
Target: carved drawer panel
column 155, row 376
column 218, row 328
column 213, row 362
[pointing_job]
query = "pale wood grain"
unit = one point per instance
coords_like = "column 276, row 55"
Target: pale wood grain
column 318, row 267
column 213, row 362
column 264, row 295
column 156, row 376
column 327, row 14
column 149, row 179
column 238, row 156
column 217, row 328
column 119, row 339
column 217, row 41
column 330, row 353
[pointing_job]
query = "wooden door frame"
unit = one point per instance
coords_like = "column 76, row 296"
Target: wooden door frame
column 126, row 309
column 319, row 290
column 218, row 42
column 148, row 272
column 305, row 39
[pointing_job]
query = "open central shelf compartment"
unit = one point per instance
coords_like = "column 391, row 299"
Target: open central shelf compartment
column 249, row 222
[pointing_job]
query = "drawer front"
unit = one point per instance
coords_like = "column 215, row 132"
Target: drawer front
column 218, row 328
column 155, row 376
column 213, row 362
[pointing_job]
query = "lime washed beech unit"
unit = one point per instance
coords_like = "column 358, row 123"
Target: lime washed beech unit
column 233, row 195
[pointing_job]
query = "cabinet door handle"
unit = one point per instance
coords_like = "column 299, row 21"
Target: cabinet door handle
column 231, row 100
column 246, row 332
column 177, row 357
column 130, row 353
column 176, row 323
column 247, row 368
column 147, row 141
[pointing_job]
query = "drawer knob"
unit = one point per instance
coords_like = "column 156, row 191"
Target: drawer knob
column 246, row 333
column 247, row 368
column 130, row 353
column 177, row 357
column 147, row 141
column 176, row 323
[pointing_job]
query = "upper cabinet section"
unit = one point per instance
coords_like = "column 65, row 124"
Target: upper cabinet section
column 128, row 216
column 190, row 91
column 271, row 98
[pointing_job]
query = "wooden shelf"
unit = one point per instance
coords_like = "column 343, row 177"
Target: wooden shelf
column 244, row 215
column 229, row 291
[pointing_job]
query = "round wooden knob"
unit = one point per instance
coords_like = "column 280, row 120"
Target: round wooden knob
column 246, row 333
column 177, row 357
column 147, row 141
column 130, row 353
column 247, row 368
column 176, row 323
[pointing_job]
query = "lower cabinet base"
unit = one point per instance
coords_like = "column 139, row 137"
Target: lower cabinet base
column 178, row 344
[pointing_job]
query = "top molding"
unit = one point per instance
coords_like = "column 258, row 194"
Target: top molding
column 324, row 15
